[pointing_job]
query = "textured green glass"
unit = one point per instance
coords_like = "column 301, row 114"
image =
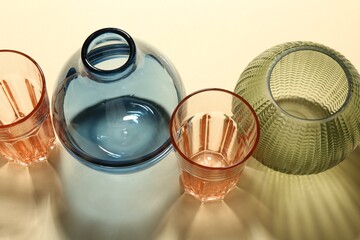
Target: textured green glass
column 306, row 96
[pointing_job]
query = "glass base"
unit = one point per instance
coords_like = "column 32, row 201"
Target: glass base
column 39, row 158
column 205, row 190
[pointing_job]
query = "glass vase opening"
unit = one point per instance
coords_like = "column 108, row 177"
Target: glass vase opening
column 109, row 51
column 308, row 84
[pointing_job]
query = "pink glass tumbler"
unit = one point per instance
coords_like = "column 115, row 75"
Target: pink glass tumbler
column 26, row 133
column 214, row 132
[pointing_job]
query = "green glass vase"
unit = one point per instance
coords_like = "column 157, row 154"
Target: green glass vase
column 306, row 96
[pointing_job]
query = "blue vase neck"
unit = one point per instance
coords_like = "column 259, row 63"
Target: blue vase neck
column 109, row 54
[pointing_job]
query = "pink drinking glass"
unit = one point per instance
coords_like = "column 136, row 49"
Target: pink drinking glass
column 214, row 132
column 26, row 133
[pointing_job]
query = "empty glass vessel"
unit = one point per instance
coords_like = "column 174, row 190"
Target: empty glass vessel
column 113, row 101
column 26, row 133
column 214, row 132
column 307, row 98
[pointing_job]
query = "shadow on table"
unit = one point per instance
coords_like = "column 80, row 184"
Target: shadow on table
column 150, row 205
column 26, row 197
column 105, row 206
column 239, row 216
column 318, row 206
column 62, row 199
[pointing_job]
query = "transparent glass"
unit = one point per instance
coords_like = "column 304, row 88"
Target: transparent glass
column 113, row 101
column 214, row 131
column 307, row 98
column 26, row 134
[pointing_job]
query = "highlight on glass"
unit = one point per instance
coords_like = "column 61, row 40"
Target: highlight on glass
column 214, row 131
column 26, row 133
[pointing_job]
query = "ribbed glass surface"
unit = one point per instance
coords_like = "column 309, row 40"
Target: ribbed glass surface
column 26, row 134
column 307, row 98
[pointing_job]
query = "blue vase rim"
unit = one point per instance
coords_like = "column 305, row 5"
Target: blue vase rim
column 129, row 40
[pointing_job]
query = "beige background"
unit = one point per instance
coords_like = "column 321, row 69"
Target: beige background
column 210, row 42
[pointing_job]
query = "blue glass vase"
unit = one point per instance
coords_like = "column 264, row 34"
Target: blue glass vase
column 113, row 101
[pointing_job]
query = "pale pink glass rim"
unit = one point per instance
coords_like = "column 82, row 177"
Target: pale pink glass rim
column 43, row 90
column 257, row 124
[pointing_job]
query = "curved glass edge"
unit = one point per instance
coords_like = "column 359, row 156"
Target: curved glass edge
column 120, row 71
column 303, row 46
column 123, row 170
